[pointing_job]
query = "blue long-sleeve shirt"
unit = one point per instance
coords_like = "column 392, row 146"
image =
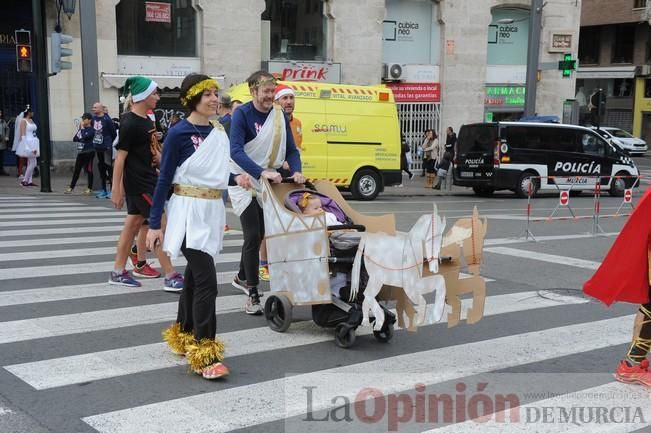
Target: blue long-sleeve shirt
column 245, row 124
column 180, row 143
column 85, row 136
column 104, row 128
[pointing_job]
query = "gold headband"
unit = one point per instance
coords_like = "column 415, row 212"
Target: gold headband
column 305, row 198
column 199, row 88
column 263, row 81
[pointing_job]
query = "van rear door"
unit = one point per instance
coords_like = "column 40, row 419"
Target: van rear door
column 475, row 154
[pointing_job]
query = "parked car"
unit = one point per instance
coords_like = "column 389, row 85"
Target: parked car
column 631, row 145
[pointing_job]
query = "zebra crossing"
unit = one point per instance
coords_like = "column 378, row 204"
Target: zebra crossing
column 79, row 355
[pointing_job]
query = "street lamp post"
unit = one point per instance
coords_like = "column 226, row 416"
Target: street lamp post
column 533, row 54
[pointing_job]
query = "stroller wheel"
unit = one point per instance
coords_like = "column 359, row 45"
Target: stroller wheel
column 278, row 312
column 344, row 335
column 385, row 334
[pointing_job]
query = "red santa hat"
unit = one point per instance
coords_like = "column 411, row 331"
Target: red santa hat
column 282, row 90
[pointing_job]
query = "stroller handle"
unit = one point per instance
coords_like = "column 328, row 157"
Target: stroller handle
column 356, row 227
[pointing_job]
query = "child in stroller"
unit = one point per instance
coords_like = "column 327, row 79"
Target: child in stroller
column 343, row 314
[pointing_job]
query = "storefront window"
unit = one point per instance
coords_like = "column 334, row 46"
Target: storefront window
column 158, row 28
column 589, row 43
column 297, row 29
column 623, row 45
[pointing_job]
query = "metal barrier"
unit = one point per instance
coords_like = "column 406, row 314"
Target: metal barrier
column 564, row 194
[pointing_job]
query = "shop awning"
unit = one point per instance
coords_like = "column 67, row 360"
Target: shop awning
column 164, row 81
column 596, row 72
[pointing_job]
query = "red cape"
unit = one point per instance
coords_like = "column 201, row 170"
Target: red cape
column 624, row 273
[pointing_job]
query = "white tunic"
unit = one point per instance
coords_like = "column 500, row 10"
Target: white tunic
column 268, row 150
column 199, row 221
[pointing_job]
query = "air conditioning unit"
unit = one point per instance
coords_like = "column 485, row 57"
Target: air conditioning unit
column 643, row 70
column 392, row 71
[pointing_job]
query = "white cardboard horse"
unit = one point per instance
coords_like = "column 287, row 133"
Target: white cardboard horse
column 399, row 261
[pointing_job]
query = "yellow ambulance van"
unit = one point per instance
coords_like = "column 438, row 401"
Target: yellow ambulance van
column 351, row 134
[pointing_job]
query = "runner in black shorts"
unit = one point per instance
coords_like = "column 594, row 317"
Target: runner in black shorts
column 134, row 179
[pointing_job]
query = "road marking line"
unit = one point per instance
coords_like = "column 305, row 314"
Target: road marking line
column 82, row 291
column 197, row 413
column 50, row 215
column 118, row 362
column 91, row 268
column 507, row 241
column 86, row 240
column 543, row 257
column 82, row 224
column 74, row 230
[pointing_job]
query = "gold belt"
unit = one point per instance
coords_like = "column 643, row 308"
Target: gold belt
column 198, row 192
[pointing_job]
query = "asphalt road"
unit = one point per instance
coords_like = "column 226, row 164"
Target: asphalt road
column 79, row 355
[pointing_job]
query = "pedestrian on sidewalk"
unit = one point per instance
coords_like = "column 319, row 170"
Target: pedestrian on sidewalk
column 4, row 142
column 134, row 180
column 103, row 139
column 28, row 144
column 85, row 154
column 442, row 170
column 450, row 140
column 405, row 157
column 195, row 161
column 430, row 151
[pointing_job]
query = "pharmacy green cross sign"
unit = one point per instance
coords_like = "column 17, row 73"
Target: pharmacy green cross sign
column 567, row 65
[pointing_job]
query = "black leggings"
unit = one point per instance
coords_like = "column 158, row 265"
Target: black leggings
column 197, row 302
column 105, row 170
column 252, row 220
column 84, row 160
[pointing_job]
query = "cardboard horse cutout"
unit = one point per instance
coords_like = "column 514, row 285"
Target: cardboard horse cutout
column 298, row 249
column 410, row 256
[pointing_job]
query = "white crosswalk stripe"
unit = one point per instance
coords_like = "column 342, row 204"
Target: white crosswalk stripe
column 45, row 309
column 84, row 368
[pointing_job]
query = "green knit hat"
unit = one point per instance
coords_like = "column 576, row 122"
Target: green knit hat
column 140, row 87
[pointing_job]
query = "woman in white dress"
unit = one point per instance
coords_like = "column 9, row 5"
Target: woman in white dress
column 195, row 161
column 28, row 145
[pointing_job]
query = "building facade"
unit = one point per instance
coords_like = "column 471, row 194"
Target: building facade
column 614, row 55
column 448, row 62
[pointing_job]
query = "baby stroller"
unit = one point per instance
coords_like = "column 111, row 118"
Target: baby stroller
column 310, row 263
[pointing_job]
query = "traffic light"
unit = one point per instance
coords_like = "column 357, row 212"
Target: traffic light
column 567, row 65
column 58, row 40
column 23, row 50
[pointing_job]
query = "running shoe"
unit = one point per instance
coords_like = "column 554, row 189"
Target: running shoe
column 239, row 284
column 253, row 306
column 100, row 194
column 174, row 284
column 146, row 271
column 88, row 191
column 214, row 371
column 263, row 272
column 123, row 279
column 638, row 373
column 68, row 191
column 108, row 195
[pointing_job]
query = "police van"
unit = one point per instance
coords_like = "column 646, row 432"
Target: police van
column 351, row 134
column 510, row 155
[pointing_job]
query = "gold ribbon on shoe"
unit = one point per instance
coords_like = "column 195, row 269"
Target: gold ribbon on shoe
column 198, row 192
